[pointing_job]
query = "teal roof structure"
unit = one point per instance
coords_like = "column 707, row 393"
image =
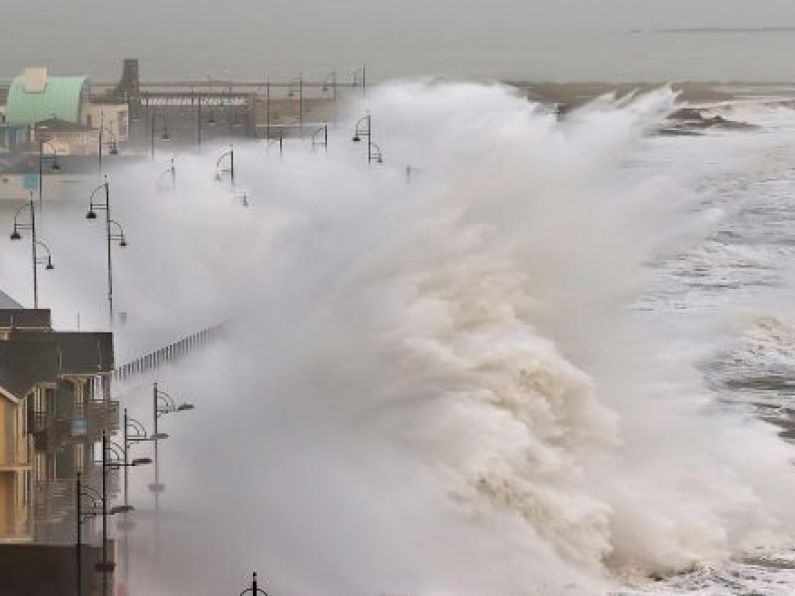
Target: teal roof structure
column 61, row 99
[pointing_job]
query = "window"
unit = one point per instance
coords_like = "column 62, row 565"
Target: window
column 79, row 457
column 40, row 467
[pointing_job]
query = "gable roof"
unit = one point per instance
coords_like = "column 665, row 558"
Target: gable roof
column 7, row 301
column 25, row 363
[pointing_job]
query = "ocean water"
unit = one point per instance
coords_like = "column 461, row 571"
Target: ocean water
column 736, row 284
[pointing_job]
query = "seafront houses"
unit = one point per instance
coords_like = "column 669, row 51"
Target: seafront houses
column 55, row 403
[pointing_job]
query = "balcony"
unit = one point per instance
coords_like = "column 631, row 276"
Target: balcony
column 17, row 530
column 54, row 499
column 104, row 414
column 15, row 454
column 54, row 432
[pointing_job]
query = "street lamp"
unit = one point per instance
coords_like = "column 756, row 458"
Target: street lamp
column 53, row 157
column 375, row 150
column 280, row 141
column 291, row 90
column 200, row 121
column 360, row 78
column 254, row 590
column 134, row 432
column 330, row 83
column 171, row 171
column 364, row 127
column 317, row 140
column 411, row 172
column 162, row 130
column 219, row 171
column 99, row 502
column 34, row 243
column 162, row 403
column 267, row 108
column 109, row 233
column 113, row 145
column 232, row 112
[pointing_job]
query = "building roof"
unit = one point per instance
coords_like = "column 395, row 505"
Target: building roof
column 7, row 301
column 32, row 356
column 25, row 318
column 23, row 364
column 36, row 96
column 84, row 353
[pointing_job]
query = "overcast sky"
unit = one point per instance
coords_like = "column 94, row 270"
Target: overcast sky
column 547, row 39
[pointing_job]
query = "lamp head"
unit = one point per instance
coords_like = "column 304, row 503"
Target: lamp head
column 185, row 407
column 121, row 509
column 165, row 136
column 56, row 166
column 91, row 214
column 159, row 436
column 49, row 266
column 356, row 138
column 142, row 461
column 15, row 234
column 123, row 242
column 114, row 150
column 211, row 120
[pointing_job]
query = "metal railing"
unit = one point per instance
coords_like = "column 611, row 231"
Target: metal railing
column 168, row 354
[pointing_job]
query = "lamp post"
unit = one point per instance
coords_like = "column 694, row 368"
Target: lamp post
column 104, row 566
column 45, row 140
column 364, row 127
column 162, row 130
column 330, row 82
column 254, row 590
column 34, row 244
column 82, row 516
column 170, row 171
column 110, row 235
column 162, row 403
column 360, row 78
column 200, row 121
column 229, row 154
column 233, row 116
column 114, row 149
column 280, row 141
column 318, row 140
column 134, row 432
column 291, row 93
column 267, row 108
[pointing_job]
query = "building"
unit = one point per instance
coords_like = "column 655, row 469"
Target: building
column 61, row 109
column 19, row 175
column 54, row 404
